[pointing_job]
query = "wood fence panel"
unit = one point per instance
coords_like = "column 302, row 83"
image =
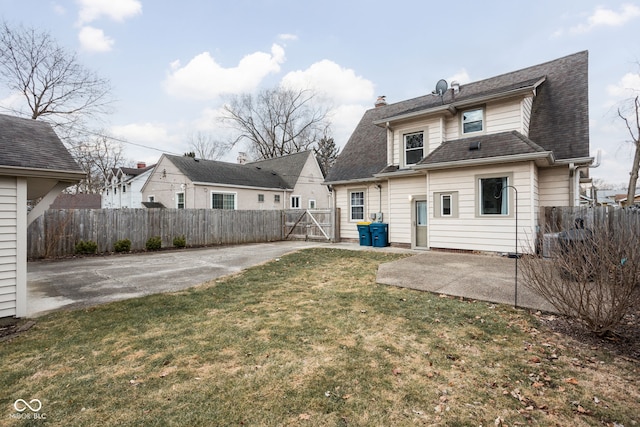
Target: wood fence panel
column 57, row 232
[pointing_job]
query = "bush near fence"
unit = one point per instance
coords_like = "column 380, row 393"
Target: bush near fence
column 56, row 232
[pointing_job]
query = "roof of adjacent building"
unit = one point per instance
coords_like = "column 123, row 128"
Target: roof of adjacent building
column 289, row 167
column 133, row 171
column 77, row 201
column 232, row 174
column 559, row 116
column 32, row 144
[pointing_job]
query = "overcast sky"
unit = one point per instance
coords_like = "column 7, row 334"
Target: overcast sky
column 172, row 63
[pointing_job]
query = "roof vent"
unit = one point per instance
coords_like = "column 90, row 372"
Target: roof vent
column 474, row 145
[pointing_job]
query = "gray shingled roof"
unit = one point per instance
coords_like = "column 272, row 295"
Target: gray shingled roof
column 233, row 174
column 559, row 118
column 33, row 144
column 288, row 167
column 495, row 145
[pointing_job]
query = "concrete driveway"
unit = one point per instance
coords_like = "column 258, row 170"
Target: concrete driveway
column 85, row 282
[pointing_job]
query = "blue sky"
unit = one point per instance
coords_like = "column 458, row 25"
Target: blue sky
column 171, row 63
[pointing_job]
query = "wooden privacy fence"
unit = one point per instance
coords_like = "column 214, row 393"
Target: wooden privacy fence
column 56, row 233
column 562, row 218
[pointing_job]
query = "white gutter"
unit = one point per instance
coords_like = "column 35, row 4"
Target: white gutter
column 453, row 106
column 488, row 160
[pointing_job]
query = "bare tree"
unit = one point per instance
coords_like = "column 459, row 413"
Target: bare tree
column 97, row 156
column 633, row 126
column 204, row 146
column 53, row 83
column 276, row 122
column 593, row 274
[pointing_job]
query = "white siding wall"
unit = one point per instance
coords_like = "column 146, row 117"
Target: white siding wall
column 503, row 116
column 8, row 246
column 553, row 186
column 527, row 104
column 374, row 200
column 487, row 233
column 433, row 128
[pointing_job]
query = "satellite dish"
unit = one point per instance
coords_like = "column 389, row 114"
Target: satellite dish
column 441, row 87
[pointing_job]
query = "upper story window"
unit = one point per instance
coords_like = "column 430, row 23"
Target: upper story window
column 295, row 202
column 473, row 121
column 413, row 148
column 276, row 198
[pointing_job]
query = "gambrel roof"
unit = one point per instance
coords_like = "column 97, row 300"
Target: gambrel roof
column 559, row 117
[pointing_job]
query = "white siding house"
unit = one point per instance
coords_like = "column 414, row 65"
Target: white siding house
column 123, row 188
column 450, row 171
column 33, row 164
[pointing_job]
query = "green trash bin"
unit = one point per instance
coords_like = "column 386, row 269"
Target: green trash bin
column 364, row 233
column 379, row 234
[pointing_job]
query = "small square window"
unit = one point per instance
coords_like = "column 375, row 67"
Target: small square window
column 295, row 202
column 312, row 204
column 260, row 198
column 151, row 199
column 276, row 198
column 472, row 121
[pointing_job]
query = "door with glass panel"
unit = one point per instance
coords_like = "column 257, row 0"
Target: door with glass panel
column 420, row 223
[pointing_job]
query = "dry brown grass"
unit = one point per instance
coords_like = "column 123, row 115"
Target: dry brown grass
column 311, row 340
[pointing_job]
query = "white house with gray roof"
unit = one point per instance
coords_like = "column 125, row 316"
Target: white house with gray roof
column 443, row 169
column 288, row 182
column 33, row 164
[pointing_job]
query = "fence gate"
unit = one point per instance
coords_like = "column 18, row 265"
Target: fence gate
column 317, row 224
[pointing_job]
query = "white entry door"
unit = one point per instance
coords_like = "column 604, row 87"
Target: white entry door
column 420, row 223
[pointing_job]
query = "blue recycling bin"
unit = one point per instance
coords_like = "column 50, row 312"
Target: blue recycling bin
column 364, row 233
column 379, row 234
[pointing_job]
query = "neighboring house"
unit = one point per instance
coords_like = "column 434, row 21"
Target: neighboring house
column 442, row 168
column 76, row 201
column 123, row 188
column 33, row 164
column 289, row 182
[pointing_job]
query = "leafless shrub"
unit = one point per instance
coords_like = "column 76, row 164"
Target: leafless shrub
column 591, row 274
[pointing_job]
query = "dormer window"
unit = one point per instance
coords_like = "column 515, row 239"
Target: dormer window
column 413, row 148
column 473, row 121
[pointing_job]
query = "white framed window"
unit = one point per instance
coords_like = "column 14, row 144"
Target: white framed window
column 494, row 200
column 473, row 121
column 180, row 200
column 124, row 188
column 413, row 148
column 312, row 204
column 295, row 202
column 260, row 198
column 356, row 205
column 276, row 198
column 221, row 200
column 446, row 208
column 151, row 199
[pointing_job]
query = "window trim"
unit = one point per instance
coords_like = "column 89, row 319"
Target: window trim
column 233, row 193
column 260, row 198
column 484, row 121
column 312, row 202
column 351, row 206
column 299, row 201
column 438, row 206
column 184, row 205
column 510, row 200
column 404, row 145
column 151, row 198
column 276, row 198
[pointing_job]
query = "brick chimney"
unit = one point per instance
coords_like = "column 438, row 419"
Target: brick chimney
column 242, row 157
column 381, row 101
column 142, row 165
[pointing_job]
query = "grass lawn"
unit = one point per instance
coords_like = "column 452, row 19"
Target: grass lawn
column 310, row 340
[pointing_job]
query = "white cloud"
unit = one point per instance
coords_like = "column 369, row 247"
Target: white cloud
column 603, row 17
column 461, row 77
column 94, row 40
column 344, row 120
column 58, row 9
column 13, row 103
column 339, row 85
column 116, row 10
column 627, row 86
column 288, row 37
column 156, row 136
column 203, row 78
